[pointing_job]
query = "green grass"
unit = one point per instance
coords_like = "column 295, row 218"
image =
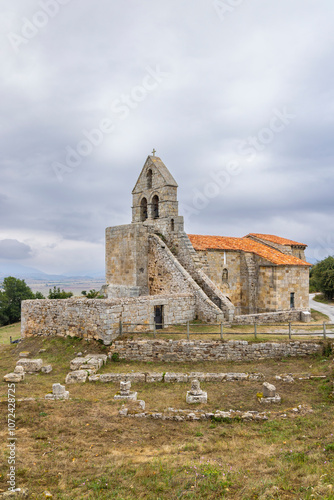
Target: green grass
column 321, row 298
column 13, row 331
column 82, row 449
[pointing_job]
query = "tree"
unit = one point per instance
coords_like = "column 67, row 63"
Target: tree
column 322, row 277
column 57, row 294
column 12, row 292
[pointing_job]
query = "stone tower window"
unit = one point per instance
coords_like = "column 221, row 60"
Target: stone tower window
column 172, row 225
column 225, row 275
column 155, row 207
column 143, row 209
column 149, row 179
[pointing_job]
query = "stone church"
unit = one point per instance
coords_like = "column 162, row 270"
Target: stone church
column 157, row 275
column 229, row 277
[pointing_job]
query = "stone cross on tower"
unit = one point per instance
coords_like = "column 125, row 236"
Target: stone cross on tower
column 153, row 152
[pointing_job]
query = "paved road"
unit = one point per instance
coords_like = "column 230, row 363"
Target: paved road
column 324, row 308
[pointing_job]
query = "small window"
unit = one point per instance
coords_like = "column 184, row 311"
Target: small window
column 225, row 276
column 172, row 227
column 143, row 209
column 292, row 300
column 155, row 207
column 149, row 179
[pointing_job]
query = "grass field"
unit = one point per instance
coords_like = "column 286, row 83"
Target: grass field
column 82, row 449
column 13, row 331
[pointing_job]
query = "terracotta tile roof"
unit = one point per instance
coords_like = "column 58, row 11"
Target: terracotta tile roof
column 276, row 239
column 246, row 245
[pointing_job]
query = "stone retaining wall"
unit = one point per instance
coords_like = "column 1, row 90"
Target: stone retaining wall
column 270, row 317
column 233, row 350
column 99, row 318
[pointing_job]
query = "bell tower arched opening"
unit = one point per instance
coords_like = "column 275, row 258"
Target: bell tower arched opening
column 143, row 209
column 155, row 207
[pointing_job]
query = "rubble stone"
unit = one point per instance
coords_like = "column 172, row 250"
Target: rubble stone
column 30, row 365
column 77, row 376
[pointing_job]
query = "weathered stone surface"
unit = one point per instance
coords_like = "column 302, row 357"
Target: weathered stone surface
column 77, row 376
column 24, row 354
column 154, row 377
column 131, row 396
column 273, row 399
column 30, row 365
column 269, row 390
column 196, row 395
column 188, row 351
column 176, row 377
column 287, row 377
column 14, row 377
column 46, row 369
column 58, row 393
column 19, row 369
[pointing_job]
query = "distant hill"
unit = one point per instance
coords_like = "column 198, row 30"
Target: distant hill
column 24, row 272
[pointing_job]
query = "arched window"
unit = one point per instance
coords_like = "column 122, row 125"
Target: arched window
column 225, row 275
column 149, row 179
column 155, row 207
column 143, row 209
column 172, row 225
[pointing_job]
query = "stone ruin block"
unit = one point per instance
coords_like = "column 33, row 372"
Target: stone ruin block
column 269, row 390
column 125, row 392
column 58, row 392
column 269, row 394
column 196, row 395
column 30, row 365
column 154, row 377
column 176, row 377
column 24, row 354
column 14, row 377
column 132, row 408
column 76, row 377
column 46, row 369
column 90, row 361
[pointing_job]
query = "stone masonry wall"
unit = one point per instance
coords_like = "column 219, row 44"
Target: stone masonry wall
column 166, row 275
column 275, row 287
column 126, row 257
column 233, row 350
column 99, row 319
column 267, row 318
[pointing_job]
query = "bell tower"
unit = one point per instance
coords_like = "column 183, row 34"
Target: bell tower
column 155, row 198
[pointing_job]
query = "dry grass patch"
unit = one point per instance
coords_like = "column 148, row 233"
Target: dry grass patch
column 81, row 449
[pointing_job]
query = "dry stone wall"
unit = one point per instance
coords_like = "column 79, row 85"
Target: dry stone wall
column 187, row 351
column 167, row 275
column 99, row 319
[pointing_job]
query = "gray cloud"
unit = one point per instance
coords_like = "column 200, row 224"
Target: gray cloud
column 14, row 250
column 225, row 81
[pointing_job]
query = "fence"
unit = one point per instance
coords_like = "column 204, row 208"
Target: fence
column 224, row 330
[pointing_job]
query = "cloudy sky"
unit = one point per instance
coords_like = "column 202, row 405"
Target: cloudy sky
column 237, row 98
